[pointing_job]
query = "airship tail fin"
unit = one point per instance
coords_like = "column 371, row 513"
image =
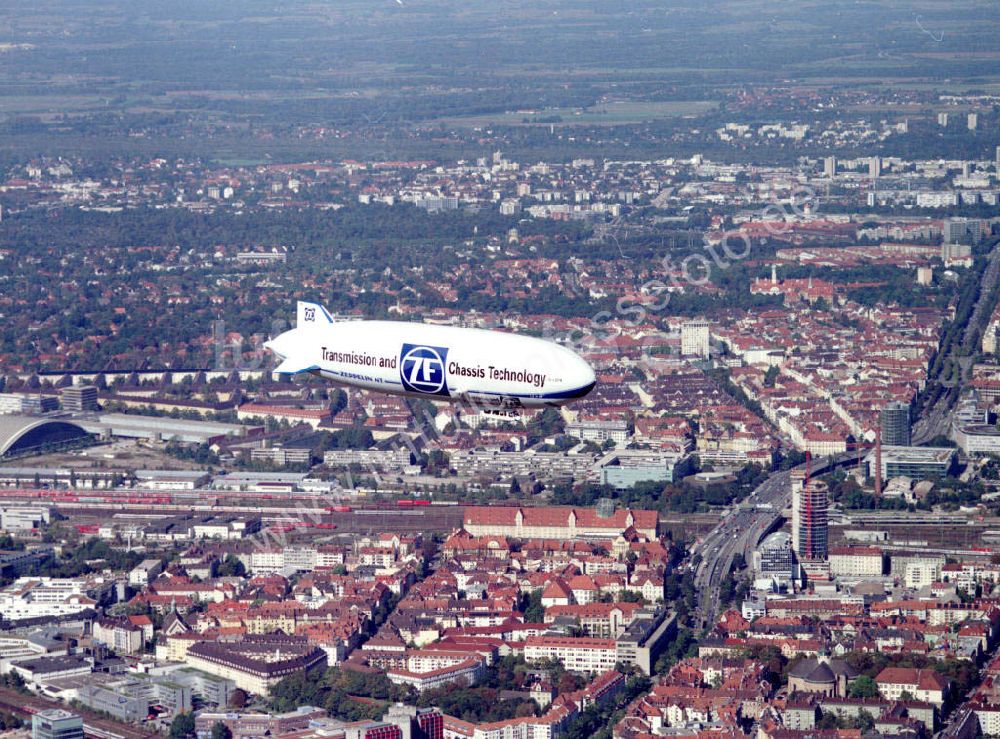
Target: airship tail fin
column 312, row 313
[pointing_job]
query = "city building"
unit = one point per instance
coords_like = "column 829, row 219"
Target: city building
column 577, row 654
column 16, row 563
column 809, row 520
column 38, row 403
column 645, row 638
column 695, row 338
column 34, row 597
column 255, row 663
column 17, row 518
column 925, row 685
column 468, row 672
column 501, row 465
column 857, row 562
column 965, row 230
column 124, row 698
column 145, row 572
column 79, row 398
column 226, row 527
column 281, row 456
column 263, row 258
column 557, row 522
column 916, row 462
column 211, row 689
column 55, row 723
column 387, row 460
column 157, row 428
column 254, row 725
column 895, row 422
column 123, row 634
column 623, row 469
column 956, row 254
column 16, row 403
column 39, row 671
column 977, row 439
column 773, row 558
column 599, row 430
column 172, row 479
column 822, row 675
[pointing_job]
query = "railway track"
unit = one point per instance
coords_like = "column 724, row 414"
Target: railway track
column 25, row 706
column 432, row 520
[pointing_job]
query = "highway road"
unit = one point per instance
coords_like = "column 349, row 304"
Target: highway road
column 739, row 532
column 935, row 420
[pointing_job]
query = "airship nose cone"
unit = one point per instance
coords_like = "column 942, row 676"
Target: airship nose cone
column 582, row 378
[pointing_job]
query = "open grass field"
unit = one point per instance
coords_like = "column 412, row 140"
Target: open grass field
column 181, row 71
column 602, row 114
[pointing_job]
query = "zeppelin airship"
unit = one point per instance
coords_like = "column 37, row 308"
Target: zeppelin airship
column 488, row 369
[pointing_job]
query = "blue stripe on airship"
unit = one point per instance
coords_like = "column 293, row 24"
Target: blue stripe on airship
column 575, row 393
column 562, row 394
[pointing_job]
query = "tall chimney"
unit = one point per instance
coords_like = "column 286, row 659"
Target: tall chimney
column 878, row 460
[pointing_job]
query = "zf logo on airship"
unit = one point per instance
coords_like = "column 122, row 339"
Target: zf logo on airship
column 421, row 368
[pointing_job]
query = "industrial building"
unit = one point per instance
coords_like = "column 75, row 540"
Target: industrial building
column 157, row 428
column 27, row 434
column 59, row 477
column 916, row 462
column 623, row 469
column 172, row 479
column 24, row 518
column 977, row 439
column 21, row 403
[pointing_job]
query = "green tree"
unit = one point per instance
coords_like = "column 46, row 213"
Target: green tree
column 863, row 687
column 237, row 699
column 771, row 376
column 231, row 567
column 182, row 726
column 221, row 731
column 534, row 611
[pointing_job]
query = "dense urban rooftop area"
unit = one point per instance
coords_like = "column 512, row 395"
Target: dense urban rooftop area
column 768, row 235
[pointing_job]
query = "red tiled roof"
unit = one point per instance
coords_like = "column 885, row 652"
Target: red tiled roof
column 922, row 679
column 558, row 516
